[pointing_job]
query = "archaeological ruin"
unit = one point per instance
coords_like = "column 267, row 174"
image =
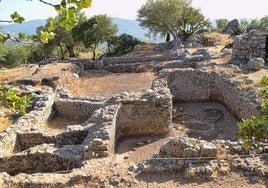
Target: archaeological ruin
column 190, row 113
column 249, row 45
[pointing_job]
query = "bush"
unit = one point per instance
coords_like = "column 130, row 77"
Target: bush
column 255, row 129
column 12, row 56
column 121, row 45
column 9, row 98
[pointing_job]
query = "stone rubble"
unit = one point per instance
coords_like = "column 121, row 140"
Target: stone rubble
column 32, row 156
column 249, row 45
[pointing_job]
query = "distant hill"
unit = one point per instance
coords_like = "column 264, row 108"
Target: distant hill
column 128, row 26
column 28, row 27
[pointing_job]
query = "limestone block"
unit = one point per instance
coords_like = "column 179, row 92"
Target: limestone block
column 208, row 150
column 190, row 152
column 256, row 63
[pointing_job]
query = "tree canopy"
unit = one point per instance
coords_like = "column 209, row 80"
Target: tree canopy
column 94, row 31
column 63, row 38
column 176, row 17
column 120, row 45
column 67, row 11
column 221, row 23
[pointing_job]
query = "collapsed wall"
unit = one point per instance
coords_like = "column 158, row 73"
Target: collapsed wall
column 252, row 44
column 205, row 84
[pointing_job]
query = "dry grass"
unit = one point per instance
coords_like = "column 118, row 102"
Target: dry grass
column 15, row 73
column 221, row 39
column 143, row 50
column 256, row 75
column 54, row 68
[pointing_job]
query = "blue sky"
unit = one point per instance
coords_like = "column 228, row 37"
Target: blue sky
column 212, row 9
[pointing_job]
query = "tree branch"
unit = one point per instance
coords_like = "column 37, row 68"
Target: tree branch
column 6, row 21
column 47, row 3
column 14, row 39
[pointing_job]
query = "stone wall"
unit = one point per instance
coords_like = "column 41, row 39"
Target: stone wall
column 209, row 84
column 9, row 141
column 128, row 114
column 119, row 60
column 199, row 159
column 142, row 118
column 76, row 108
column 45, row 158
column 248, row 46
column 147, row 114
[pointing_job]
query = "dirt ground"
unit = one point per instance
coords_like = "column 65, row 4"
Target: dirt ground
column 106, row 84
column 204, row 120
column 196, row 120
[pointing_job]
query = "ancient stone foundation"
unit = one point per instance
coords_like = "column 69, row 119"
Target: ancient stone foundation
column 28, row 147
column 208, row 84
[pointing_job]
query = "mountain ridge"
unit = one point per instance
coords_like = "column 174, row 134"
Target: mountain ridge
column 128, row 26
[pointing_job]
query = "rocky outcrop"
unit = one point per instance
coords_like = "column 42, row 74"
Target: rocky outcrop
column 232, row 27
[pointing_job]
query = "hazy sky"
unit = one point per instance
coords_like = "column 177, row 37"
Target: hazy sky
column 212, row 9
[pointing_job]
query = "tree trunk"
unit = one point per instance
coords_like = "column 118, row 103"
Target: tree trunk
column 61, row 51
column 94, row 52
column 168, row 37
column 71, row 51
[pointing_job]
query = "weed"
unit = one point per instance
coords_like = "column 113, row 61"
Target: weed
column 9, row 98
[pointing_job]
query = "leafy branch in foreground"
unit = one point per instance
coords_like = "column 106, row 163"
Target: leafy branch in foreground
column 9, row 98
column 255, row 129
column 66, row 9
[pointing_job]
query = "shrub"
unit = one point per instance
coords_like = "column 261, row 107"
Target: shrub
column 255, row 129
column 9, row 98
column 11, row 56
column 120, row 45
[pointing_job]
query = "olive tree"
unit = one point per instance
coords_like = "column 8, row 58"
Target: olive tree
column 176, row 17
column 63, row 38
column 96, row 30
column 221, row 23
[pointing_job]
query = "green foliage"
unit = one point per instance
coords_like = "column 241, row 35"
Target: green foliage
column 95, row 31
column 243, row 25
column 67, row 11
column 264, row 22
column 120, row 45
column 254, row 23
column 62, row 39
column 264, row 81
column 176, row 17
column 255, row 129
column 221, row 23
column 16, row 17
column 9, row 98
column 36, row 53
column 11, row 56
column 45, row 36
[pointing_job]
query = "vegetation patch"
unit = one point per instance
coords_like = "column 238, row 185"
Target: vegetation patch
column 10, row 98
column 255, row 129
